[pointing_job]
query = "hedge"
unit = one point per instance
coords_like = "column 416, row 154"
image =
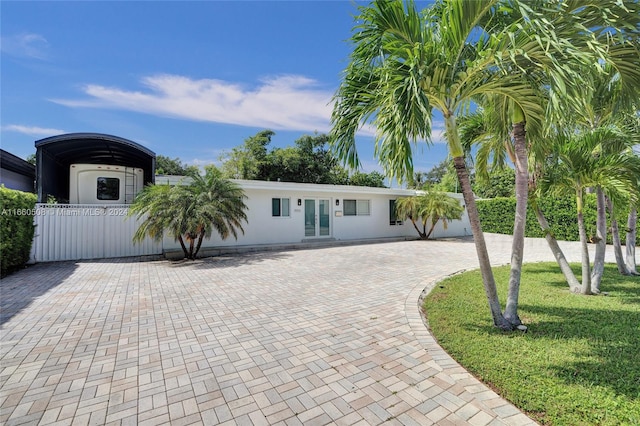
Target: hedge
column 16, row 228
column 498, row 214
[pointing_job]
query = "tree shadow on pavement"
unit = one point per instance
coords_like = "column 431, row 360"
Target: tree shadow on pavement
column 229, row 260
column 19, row 289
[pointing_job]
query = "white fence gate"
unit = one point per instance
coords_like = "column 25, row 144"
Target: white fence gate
column 73, row 232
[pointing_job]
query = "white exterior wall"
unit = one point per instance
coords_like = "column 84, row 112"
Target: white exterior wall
column 262, row 228
column 71, row 232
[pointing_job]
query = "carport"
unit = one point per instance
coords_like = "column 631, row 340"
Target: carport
column 55, row 154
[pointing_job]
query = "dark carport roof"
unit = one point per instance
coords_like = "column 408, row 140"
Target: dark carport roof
column 94, row 148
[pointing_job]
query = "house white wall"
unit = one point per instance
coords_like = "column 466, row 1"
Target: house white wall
column 70, row 232
column 263, row 228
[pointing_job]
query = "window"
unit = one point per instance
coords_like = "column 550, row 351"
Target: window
column 108, row 188
column 393, row 219
column 280, row 207
column 356, row 208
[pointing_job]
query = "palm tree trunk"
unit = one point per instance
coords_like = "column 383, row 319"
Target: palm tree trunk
column 184, row 248
column 433, row 226
column 574, row 284
column 615, row 236
column 200, row 238
column 191, row 240
column 601, row 241
column 630, row 241
column 481, row 246
column 422, row 236
column 517, row 245
column 586, row 273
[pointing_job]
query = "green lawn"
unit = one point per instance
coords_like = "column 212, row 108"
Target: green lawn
column 579, row 362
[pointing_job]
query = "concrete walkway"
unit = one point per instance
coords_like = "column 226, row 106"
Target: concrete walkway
column 308, row 337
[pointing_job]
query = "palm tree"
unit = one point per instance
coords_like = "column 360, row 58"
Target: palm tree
column 488, row 126
column 630, row 255
column 406, row 64
column 190, row 212
column 580, row 162
column 430, row 206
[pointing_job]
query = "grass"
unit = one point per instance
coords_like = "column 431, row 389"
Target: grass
column 579, row 362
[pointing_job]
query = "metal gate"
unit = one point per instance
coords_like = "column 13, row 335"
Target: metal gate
column 73, row 232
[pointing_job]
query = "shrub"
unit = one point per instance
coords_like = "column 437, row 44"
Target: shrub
column 498, row 214
column 16, row 228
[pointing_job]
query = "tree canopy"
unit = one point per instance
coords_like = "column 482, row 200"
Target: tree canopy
column 309, row 160
column 173, row 166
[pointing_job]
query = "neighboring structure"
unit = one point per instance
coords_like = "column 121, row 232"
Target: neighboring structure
column 94, row 177
column 16, row 173
column 65, row 171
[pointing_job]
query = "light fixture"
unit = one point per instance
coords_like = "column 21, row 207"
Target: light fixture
column 299, row 202
column 337, row 202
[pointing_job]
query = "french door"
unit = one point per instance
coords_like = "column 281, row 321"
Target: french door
column 317, row 217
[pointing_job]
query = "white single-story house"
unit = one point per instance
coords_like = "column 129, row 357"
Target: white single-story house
column 287, row 212
column 97, row 176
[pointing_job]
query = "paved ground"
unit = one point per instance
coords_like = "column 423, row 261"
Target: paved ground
column 309, row 337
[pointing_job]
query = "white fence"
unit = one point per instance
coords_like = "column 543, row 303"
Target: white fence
column 73, row 232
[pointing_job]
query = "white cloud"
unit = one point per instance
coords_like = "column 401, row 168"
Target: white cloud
column 285, row 102
column 25, row 45
column 288, row 102
column 32, row 130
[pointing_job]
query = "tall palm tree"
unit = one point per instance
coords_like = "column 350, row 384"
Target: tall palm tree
column 580, row 163
column 487, row 126
column 430, row 206
column 406, row 64
column 190, row 212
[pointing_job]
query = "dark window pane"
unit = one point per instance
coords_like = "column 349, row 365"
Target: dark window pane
column 392, row 212
column 349, row 207
column 275, row 207
column 108, row 188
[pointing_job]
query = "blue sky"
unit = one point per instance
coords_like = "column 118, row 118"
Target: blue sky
column 186, row 79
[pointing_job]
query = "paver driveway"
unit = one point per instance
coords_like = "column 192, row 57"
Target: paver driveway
column 330, row 335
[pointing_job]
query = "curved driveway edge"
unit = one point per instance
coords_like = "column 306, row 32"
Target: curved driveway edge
column 308, row 337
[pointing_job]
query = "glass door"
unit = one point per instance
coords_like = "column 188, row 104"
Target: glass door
column 317, row 218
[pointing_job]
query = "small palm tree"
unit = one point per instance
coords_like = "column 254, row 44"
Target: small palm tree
column 431, row 206
column 191, row 212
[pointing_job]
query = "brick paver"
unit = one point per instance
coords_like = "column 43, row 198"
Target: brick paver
column 309, row 337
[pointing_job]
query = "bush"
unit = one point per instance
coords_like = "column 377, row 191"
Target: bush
column 16, row 228
column 498, row 214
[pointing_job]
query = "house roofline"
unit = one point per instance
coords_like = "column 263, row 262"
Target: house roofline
column 321, row 188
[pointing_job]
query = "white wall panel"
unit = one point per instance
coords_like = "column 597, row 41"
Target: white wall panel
column 73, row 232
